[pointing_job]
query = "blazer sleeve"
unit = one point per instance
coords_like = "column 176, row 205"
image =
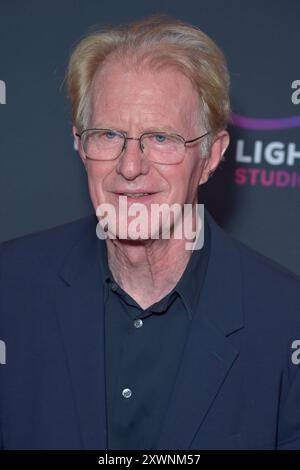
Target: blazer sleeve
column 289, row 412
column 1, row 322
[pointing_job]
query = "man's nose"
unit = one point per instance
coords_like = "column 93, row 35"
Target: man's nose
column 132, row 162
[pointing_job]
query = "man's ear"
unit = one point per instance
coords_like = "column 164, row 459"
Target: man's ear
column 217, row 150
column 79, row 145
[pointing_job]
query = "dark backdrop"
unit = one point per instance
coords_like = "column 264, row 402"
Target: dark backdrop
column 255, row 193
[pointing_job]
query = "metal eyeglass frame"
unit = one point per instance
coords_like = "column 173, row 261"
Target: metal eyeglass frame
column 125, row 137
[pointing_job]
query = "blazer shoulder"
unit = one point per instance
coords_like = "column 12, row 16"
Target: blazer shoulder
column 255, row 266
column 271, row 292
column 257, row 263
column 43, row 248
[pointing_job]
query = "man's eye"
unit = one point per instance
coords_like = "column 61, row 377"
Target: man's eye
column 109, row 135
column 160, row 138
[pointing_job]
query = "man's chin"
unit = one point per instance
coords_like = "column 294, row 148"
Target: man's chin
column 132, row 233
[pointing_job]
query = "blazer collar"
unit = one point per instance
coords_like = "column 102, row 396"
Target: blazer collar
column 223, row 284
column 78, row 303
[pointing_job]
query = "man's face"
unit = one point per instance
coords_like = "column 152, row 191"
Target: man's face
column 138, row 102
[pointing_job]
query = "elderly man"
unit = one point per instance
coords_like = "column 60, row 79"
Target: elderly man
column 138, row 342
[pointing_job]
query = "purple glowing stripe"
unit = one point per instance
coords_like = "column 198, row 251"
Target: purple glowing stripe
column 264, row 124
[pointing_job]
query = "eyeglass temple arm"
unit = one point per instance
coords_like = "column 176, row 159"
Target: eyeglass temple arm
column 197, row 138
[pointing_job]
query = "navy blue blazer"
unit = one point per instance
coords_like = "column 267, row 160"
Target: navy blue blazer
column 237, row 387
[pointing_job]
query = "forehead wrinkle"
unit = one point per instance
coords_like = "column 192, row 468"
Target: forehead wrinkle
column 116, row 116
column 151, row 99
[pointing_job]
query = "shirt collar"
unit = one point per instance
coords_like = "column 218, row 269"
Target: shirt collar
column 189, row 285
column 102, row 254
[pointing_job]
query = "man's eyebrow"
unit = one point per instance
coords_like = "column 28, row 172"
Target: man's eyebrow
column 168, row 129
column 101, row 125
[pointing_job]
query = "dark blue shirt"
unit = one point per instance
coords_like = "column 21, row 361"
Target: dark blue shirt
column 143, row 350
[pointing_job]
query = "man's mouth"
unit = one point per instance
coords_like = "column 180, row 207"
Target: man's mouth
column 132, row 195
column 139, row 193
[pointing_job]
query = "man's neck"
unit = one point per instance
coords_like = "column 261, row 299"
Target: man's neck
column 147, row 271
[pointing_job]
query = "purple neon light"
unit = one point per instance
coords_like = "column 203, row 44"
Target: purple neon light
column 264, row 124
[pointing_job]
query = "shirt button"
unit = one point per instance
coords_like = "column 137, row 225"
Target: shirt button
column 114, row 287
column 126, row 393
column 138, row 323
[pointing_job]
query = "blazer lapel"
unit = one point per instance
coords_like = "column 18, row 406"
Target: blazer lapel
column 81, row 319
column 208, row 354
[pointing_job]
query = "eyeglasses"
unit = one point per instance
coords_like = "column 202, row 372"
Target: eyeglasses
column 159, row 147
